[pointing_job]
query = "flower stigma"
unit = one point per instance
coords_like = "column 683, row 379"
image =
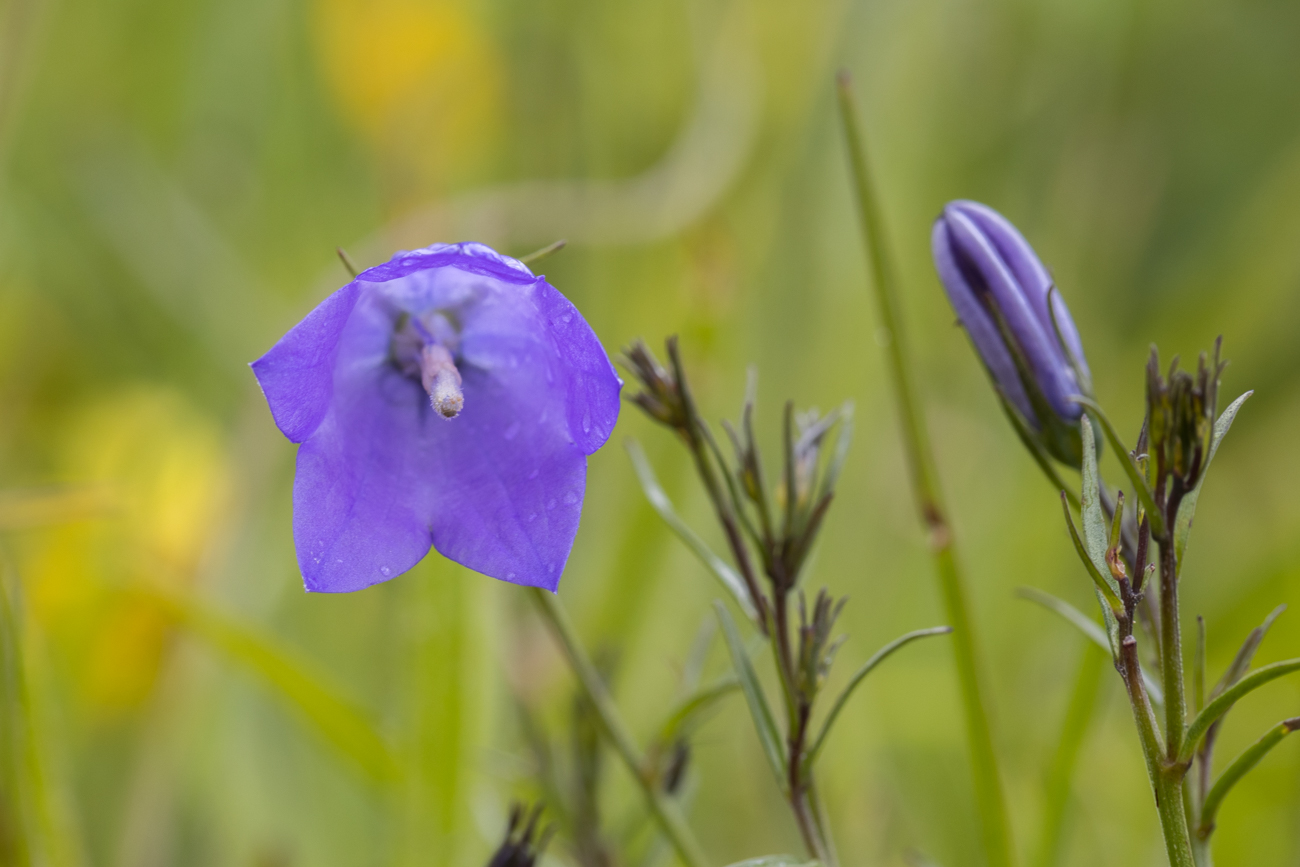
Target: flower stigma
column 421, row 348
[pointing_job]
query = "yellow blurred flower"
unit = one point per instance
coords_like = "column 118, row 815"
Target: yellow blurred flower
column 167, row 470
column 420, row 79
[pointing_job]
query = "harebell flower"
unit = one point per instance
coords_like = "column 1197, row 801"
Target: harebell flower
column 448, row 397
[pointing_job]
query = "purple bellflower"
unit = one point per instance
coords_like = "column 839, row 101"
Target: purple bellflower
column 1001, row 293
column 447, row 398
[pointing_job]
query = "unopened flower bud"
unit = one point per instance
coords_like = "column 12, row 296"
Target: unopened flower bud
column 1021, row 329
column 1180, row 416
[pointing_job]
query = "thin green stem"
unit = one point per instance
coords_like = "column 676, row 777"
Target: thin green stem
column 989, row 796
column 1166, row 781
column 662, row 807
column 1171, row 652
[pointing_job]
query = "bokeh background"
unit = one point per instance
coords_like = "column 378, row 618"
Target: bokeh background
column 174, row 178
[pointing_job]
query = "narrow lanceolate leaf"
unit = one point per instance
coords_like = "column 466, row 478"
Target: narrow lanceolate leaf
column 1088, row 627
column 690, row 709
column 1187, row 511
column 1246, row 655
column 727, row 576
column 764, row 722
column 1222, row 704
column 1241, row 766
column 341, row 723
column 1095, row 536
column 1099, row 581
column 859, row 676
column 1134, row 473
column 1094, row 520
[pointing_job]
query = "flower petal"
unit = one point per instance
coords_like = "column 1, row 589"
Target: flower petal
column 983, row 262
column 297, row 374
column 979, row 325
column 1029, row 272
column 591, row 384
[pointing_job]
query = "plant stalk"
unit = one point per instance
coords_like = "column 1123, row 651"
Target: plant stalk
column 1166, row 780
column 661, row 806
column 989, row 796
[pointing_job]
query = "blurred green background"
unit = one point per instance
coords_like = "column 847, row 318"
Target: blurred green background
column 174, row 178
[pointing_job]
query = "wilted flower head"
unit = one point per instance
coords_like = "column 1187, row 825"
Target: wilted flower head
column 1004, row 299
column 448, row 397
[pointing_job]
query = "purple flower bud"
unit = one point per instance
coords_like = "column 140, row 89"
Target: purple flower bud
column 450, row 398
column 991, row 273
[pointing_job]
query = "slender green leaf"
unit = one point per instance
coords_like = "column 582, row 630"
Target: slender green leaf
column 1187, row 511
column 1102, row 585
column 764, row 722
column 730, row 580
column 1224, row 702
column 1095, row 536
column 691, row 708
column 860, row 675
column 1094, row 519
column 1088, row 627
column 1246, row 655
column 1072, row 615
column 1134, row 473
column 1242, row 765
column 340, row 722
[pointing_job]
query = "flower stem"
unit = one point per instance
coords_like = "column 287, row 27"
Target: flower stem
column 661, row 806
column 1166, row 780
column 1171, row 653
column 988, row 785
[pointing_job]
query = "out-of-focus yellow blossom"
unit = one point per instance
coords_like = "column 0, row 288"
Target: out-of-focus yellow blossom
column 420, row 78
column 167, row 470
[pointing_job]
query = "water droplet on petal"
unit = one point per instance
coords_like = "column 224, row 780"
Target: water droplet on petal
column 385, row 571
column 510, row 576
column 570, row 498
column 566, row 317
column 586, row 422
column 511, row 431
column 532, row 516
column 550, row 505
